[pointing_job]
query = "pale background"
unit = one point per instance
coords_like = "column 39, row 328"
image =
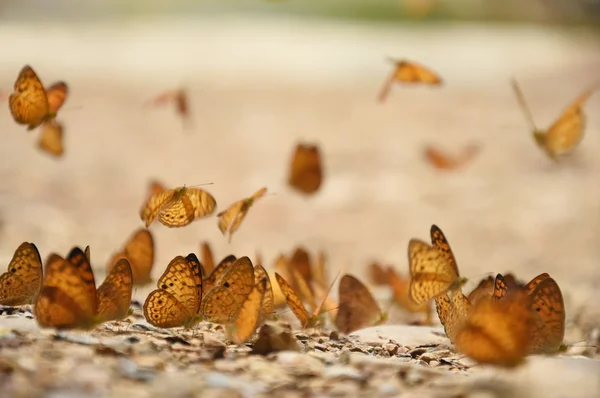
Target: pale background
column 264, row 75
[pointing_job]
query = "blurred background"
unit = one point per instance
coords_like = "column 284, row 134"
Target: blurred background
column 264, row 75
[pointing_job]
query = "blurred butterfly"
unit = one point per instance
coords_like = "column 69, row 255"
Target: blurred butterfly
column 51, row 138
column 562, row 137
column 231, row 219
column 22, row 281
column 444, row 161
column 306, row 170
column 408, row 72
column 179, row 98
column 139, row 251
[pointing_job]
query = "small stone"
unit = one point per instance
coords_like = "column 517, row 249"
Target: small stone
column 334, row 335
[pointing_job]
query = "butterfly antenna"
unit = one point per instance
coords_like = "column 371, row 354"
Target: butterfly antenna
column 523, row 105
column 318, row 309
column 198, row 185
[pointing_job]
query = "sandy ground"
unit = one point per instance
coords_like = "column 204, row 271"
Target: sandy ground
column 259, row 86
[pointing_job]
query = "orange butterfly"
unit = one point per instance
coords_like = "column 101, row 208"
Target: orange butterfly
column 177, row 300
column 547, row 307
column 378, row 274
column 22, row 281
column 208, row 263
column 139, row 251
column 497, row 332
column 178, row 97
column 306, row 171
column 51, row 138
column 444, row 161
column 231, row 218
column 400, row 287
column 217, row 273
column 566, row 133
column 358, row 309
column 69, row 299
column 408, row 72
column 307, row 320
column 178, row 207
column 485, row 288
column 30, row 103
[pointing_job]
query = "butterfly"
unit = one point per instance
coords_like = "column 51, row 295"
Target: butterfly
column 179, row 97
column 178, row 207
column 230, row 219
column 566, row 133
column 155, row 187
column 548, row 310
column 443, row 161
column 268, row 301
column 307, row 320
column 400, row 287
column 207, row 259
column 139, row 251
column 249, row 316
column 30, row 103
column 69, row 299
column 306, row 171
column 378, row 274
column 547, row 307
column 217, row 273
column 485, row 288
column 357, row 308
column 224, row 301
column 433, row 269
column 22, row 281
column 51, row 138
column 408, row 72
column 177, row 300
column 497, row 332
column 452, row 309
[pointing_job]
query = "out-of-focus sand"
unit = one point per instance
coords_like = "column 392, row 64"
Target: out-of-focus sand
column 257, row 87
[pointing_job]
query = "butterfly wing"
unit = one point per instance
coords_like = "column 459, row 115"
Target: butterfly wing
column 51, row 138
column 154, row 205
column 29, row 103
column 358, row 308
column 20, row 284
column 294, row 302
column 114, row 294
column 57, row 95
column 306, row 172
column 221, row 303
column 248, row 317
column 67, row 299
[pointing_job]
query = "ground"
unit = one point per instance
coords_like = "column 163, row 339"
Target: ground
column 257, row 87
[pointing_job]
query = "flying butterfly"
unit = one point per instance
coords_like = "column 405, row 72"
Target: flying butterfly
column 178, row 207
column 22, row 281
column 30, row 103
column 139, row 251
column 51, row 138
column 408, row 72
column 444, row 161
column 69, row 299
column 562, row 137
column 177, row 300
column 306, row 170
column 231, row 219
column 358, row 309
column 179, row 98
